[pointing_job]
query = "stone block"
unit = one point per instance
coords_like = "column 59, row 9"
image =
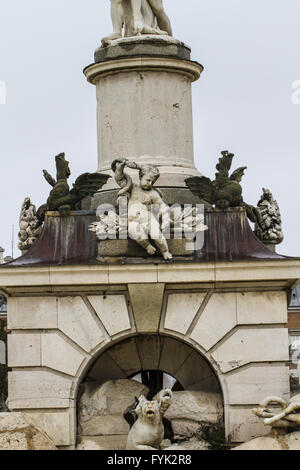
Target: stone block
column 27, row 313
column 146, row 301
column 59, row 355
column 243, row 425
column 173, row 355
column 261, row 308
column 218, row 318
column 78, row 323
column 196, row 374
column 181, row 311
column 24, row 350
column 255, row 383
column 196, row 406
column 16, row 433
column 109, row 425
column 149, row 348
column 112, row 311
column 102, row 443
column 248, row 345
column 105, row 368
column 126, row 356
column 147, row 45
column 38, row 389
column 55, row 424
column 110, row 398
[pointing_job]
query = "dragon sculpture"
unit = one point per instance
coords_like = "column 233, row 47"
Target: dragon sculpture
column 225, row 191
column 64, row 200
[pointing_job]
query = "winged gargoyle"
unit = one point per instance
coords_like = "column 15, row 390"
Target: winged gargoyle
column 225, row 191
column 63, row 199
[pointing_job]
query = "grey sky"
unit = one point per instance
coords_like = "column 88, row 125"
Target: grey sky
column 242, row 103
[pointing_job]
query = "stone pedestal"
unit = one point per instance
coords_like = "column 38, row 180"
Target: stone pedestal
column 145, row 105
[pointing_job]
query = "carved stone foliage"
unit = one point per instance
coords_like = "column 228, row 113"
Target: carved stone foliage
column 31, row 225
column 137, row 17
column 269, row 227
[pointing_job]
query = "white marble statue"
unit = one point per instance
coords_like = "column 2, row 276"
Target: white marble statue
column 30, row 226
column 269, row 228
column 143, row 200
column 147, row 433
column 137, row 17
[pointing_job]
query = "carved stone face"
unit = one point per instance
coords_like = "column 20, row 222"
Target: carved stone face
column 147, row 181
column 148, row 410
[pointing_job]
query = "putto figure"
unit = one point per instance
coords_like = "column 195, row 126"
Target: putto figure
column 138, row 17
column 147, row 433
column 148, row 214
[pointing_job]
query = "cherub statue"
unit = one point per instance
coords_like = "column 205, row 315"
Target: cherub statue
column 31, row 225
column 269, row 229
column 63, row 199
column 147, row 433
column 143, row 199
column 225, row 191
column 138, row 17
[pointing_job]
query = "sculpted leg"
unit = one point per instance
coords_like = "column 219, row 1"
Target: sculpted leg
column 162, row 18
column 117, row 17
column 138, row 20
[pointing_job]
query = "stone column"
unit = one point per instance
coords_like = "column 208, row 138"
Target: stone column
column 144, row 105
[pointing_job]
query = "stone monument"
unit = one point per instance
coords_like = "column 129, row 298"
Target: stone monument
column 89, row 306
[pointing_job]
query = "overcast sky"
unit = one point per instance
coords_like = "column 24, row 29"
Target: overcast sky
column 250, row 50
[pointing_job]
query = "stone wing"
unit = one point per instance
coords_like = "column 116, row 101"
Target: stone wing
column 202, row 187
column 88, row 184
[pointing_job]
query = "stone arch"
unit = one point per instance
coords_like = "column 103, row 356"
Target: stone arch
column 132, row 354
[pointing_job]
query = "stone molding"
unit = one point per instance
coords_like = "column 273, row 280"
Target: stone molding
column 191, row 70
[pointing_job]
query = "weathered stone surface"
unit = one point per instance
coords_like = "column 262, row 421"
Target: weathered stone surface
column 102, row 443
column 252, row 384
column 261, row 308
column 146, row 301
column 261, row 443
column 149, row 348
column 38, row 389
column 244, row 425
column 24, row 350
column 59, row 355
column 252, row 345
column 126, row 356
column 112, row 397
column 218, row 318
column 192, row 444
column 273, row 442
column 108, row 425
column 181, row 311
column 196, row 374
column 105, row 368
column 293, row 441
column 16, row 433
column 55, row 424
column 77, row 322
column 147, row 45
column 196, row 406
column 112, row 311
column 27, row 313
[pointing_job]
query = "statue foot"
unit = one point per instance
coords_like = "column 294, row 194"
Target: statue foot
column 107, row 40
column 167, row 255
column 151, row 250
column 138, row 27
